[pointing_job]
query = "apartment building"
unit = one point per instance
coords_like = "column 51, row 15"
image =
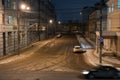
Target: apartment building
column 8, row 27
column 114, row 15
column 110, row 26
column 46, row 12
column 113, row 22
column 18, row 27
column 94, row 24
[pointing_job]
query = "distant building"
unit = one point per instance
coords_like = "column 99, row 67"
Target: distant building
column 94, row 21
column 43, row 12
column 93, row 25
column 86, row 11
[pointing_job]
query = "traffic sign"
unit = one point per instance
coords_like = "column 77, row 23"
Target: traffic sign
column 100, row 39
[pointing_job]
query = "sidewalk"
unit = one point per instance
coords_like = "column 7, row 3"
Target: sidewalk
column 107, row 58
column 25, row 52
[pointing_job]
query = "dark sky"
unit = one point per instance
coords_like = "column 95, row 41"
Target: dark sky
column 70, row 9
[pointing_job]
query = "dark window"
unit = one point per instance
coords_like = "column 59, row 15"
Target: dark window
column 8, row 3
column 3, row 2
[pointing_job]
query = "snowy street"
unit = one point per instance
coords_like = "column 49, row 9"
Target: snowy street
column 52, row 59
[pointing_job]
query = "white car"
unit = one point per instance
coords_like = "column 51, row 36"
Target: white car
column 59, row 35
column 78, row 49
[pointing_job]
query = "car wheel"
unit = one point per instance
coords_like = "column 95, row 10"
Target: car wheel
column 91, row 76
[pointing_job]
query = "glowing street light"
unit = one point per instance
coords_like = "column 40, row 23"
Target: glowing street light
column 50, row 21
column 28, row 8
column 80, row 13
column 23, row 6
column 59, row 22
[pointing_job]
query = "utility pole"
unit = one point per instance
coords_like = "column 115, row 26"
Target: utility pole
column 39, row 19
column 101, row 29
column 18, row 28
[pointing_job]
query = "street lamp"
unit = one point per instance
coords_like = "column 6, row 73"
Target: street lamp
column 59, row 22
column 82, row 23
column 20, row 8
column 50, row 21
column 100, row 7
column 80, row 13
column 24, row 7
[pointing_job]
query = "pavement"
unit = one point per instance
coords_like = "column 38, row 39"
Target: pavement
column 107, row 58
column 26, row 52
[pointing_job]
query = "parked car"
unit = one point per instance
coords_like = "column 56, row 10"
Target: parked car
column 78, row 49
column 59, row 35
column 102, row 72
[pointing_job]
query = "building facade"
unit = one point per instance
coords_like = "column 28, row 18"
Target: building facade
column 93, row 26
column 110, row 26
column 86, row 11
column 114, row 24
column 20, row 28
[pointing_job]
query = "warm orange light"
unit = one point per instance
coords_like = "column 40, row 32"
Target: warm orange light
column 51, row 21
column 23, row 6
column 28, row 8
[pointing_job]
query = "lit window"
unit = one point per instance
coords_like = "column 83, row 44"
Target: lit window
column 109, row 9
column 118, row 3
column 112, row 8
column 9, row 19
column 14, row 5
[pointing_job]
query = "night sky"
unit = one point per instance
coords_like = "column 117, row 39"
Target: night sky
column 70, row 9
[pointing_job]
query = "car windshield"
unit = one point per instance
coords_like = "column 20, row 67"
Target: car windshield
column 77, row 46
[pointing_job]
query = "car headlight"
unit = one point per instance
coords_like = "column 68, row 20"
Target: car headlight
column 85, row 72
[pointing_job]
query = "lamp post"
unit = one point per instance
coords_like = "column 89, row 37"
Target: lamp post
column 81, row 14
column 20, row 8
column 100, row 7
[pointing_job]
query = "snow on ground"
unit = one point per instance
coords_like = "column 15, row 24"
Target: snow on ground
column 23, row 55
column 93, row 57
column 14, row 58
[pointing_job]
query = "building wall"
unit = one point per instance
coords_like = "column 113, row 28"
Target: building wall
column 45, row 12
column 113, row 15
column 92, row 25
column 10, row 15
column 114, row 24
